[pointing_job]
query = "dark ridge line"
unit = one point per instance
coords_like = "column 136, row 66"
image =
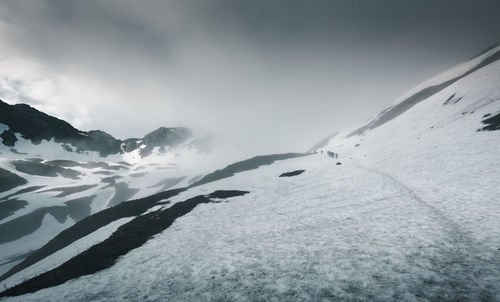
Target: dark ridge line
column 493, row 123
column 393, row 112
column 448, row 100
column 222, row 194
column 484, row 51
column 292, row 173
column 245, row 165
column 89, row 225
column 103, row 255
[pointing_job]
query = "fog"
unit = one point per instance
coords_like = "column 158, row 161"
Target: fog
column 264, row 76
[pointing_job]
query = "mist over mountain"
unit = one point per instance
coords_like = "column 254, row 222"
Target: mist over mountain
column 256, row 73
column 232, row 150
column 121, row 199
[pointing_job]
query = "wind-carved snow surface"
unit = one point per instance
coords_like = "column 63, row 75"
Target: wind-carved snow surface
column 411, row 214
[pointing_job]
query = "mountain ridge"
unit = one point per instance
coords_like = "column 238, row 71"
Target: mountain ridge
column 36, row 126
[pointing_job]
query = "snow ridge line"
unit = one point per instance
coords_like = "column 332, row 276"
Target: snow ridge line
column 469, row 275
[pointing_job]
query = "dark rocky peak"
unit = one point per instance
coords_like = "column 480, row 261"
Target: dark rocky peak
column 33, row 124
column 166, row 137
column 36, row 126
column 161, row 137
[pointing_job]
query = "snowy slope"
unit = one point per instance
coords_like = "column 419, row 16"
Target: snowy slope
column 61, row 186
column 411, row 214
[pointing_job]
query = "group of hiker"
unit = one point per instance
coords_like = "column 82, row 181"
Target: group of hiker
column 331, row 154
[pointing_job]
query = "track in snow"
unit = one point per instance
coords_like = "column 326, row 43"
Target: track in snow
column 466, row 276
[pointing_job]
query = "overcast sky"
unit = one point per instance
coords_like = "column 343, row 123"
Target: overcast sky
column 272, row 75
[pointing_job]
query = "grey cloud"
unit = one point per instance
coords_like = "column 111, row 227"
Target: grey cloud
column 273, row 75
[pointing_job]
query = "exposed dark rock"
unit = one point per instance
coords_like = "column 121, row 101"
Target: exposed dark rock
column 222, row 194
column 162, row 137
column 166, row 137
column 34, row 168
column 339, row 163
column 493, row 123
column 8, row 138
column 130, row 144
column 10, row 206
column 245, row 165
column 293, row 173
column 66, row 147
column 9, row 180
column 448, row 100
column 90, row 224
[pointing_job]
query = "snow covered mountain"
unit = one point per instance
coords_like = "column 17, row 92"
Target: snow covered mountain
column 53, row 175
column 409, row 211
